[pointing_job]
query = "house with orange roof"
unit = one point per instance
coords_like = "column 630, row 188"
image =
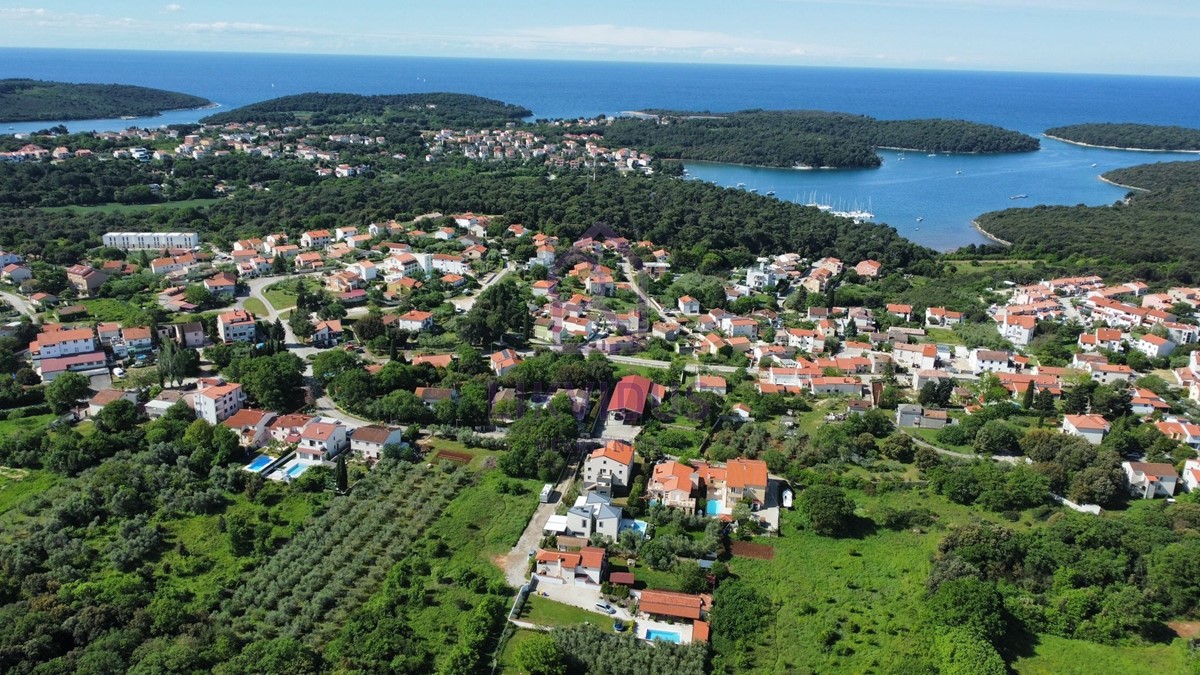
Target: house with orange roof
column 504, row 361
column 631, row 398
column 321, row 441
column 608, row 467
column 711, row 383
column 251, row 426
column 217, row 403
column 435, row 360
column 1180, row 430
column 673, row 484
column 689, row 305
column 869, row 268
column 414, row 321
column 940, row 316
column 583, row 568
column 236, row 326
column 1153, row 346
column 1090, row 427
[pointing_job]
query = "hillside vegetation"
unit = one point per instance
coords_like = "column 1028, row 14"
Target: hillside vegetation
column 424, row 110
column 1153, row 232
column 804, row 137
column 31, row 100
column 1126, row 135
column 707, row 225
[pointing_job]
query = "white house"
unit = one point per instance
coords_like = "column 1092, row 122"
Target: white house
column 689, row 305
column 320, row 441
column 1090, row 427
column 236, row 326
column 1191, row 474
column 1148, row 480
column 1153, row 346
column 251, row 426
column 585, row 568
column 990, row 361
column 414, row 321
column 594, row 514
column 608, row 467
column 1017, row 329
column 217, row 403
column 367, row 442
column 61, row 343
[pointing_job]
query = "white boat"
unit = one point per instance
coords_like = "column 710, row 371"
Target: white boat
column 932, row 154
column 957, row 173
column 1093, row 163
column 920, row 218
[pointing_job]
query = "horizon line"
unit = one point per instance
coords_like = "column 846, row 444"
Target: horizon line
column 997, row 70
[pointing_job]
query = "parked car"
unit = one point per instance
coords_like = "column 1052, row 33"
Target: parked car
column 605, row 607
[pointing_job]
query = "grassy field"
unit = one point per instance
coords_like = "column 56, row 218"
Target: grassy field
column 16, row 485
column 506, row 663
column 944, row 336
column 1059, row 656
column 9, row 427
column 108, row 309
column 865, row 590
column 546, row 612
column 256, row 307
column 280, row 295
column 133, row 208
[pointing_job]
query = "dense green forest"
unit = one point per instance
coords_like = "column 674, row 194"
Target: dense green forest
column 804, row 137
column 30, row 100
column 690, row 218
column 424, row 110
column 1126, row 135
column 1153, row 232
column 1158, row 176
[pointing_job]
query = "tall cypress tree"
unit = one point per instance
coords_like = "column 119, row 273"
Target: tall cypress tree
column 343, row 479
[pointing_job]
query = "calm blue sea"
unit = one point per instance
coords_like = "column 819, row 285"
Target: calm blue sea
column 930, row 188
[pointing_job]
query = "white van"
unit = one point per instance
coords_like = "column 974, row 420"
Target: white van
column 547, row 490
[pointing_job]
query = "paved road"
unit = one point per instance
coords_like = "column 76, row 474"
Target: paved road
column 20, row 304
column 517, row 560
column 963, row 455
column 632, row 276
column 466, row 302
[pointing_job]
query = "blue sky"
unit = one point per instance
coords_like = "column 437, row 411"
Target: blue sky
column 1098, row 36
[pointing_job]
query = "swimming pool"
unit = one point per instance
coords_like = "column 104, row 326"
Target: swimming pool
column 665, row 636
column 259, row 463
column 713, row 507
column 296, row 470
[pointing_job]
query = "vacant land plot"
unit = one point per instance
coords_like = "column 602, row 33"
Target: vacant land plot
column 748, row 549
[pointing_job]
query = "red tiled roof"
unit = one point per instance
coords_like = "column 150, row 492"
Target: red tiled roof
column 667, row 603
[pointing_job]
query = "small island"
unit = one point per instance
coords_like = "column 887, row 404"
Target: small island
column 24, row 100
column 1126, row 136
column 803, row 138
column 424, row 110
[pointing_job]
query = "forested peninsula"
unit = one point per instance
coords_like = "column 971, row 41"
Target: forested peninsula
column 1130, row 136
column 1154, row 232
column 424, row 110
column 23, row 100
column 806, row 138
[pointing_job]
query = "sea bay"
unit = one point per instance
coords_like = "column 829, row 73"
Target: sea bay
column 946, row 192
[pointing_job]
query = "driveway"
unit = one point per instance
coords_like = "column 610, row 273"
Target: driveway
column 18, row 303
column 583, row 597
column 516, row 563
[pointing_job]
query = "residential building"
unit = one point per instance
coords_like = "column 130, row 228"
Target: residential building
column 1180, row 430
column 106, row 396
column 221, row 285
column 189, row 334
column 251, row 426
column 61, row 343
column 1153, row 346
column 594, row 513
column 504, row 361
column 584, row 568
column 316, row 239
column 990, row 361
column 414, row 321
column 940, row 316
column 236, row 326
column 368, row 441
column 327, row 333
column 909, row 415
column 85, row 279
column 631, row 396
column 608, row 468
column 672, row 484
column 321, row 441
column 1093, row 428
column 158, row 241
column 1150, row 480
column 711, row 383
column 217, row 403
column 689, row 305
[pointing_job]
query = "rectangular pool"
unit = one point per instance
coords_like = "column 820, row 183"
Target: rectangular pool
column 259, row 463
column 713, row 508
column 296, row 470
column 665, row 636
